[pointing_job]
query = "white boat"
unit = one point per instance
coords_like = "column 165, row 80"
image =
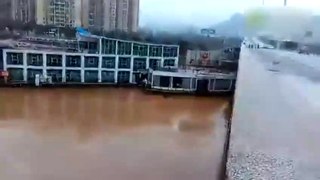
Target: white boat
column 191, row 81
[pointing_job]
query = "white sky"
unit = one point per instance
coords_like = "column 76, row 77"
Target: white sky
column 208, row 12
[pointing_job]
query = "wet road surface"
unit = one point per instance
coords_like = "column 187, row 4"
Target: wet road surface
column 275, row 126
column 114, row 134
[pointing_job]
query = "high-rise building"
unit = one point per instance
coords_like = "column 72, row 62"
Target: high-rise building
column 23, row 10
column 98, row 14
column 134, row 10
column 127, row 15
column 18, row 10
column 110, row 15
column 122, row 15
column 6, row 6
column 92, row 13
column 61, row 13
column 107, row 15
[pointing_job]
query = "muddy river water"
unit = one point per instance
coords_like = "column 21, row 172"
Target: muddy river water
column 109, row 133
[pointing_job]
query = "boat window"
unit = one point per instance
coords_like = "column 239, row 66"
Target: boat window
column 124, row 62
column 15, row 58
column 139, row 64
column 164, row 81
column 222, row 84
column 31, row 74
column 92, row 62
column 54, row 60
column 154, row 64
column 73, row 76
column 91, row 76
column 140, row 49
column 124, row 48
column 186, row 83
column 107, row 76
column 169, row 51
column 211, row 84
column 169, row 62
column 177, row 82
column 109, row 46
column 15, row 74
column 73, row 61
column 180, row 82
column 123, row 77
column 194, row 83
column 34, row 59
column 109, row 62
column 56, row 75
column 156, row 81
column 155, row 51
column 93, row 48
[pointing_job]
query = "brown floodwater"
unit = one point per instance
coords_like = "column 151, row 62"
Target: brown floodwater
column 109, row 133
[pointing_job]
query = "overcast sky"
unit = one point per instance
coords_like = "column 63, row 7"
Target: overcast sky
column 207, row 12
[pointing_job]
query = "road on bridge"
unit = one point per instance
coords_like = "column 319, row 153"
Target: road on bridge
column 276, row 119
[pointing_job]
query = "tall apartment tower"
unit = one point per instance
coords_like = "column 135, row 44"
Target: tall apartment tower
column 18, row 10
column 61, row 13
column 98, row 14
column 105, row 15
column 122, row 15
column 127, row 15
column 23, row 10
column 92, row 13
column 110, row 15
column 6, row 6
column 134, row 12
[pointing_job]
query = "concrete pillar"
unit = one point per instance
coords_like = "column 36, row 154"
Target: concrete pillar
column 131, row 64
column 25, row 70
column 82, row 68
column 116, row 69
column 100, row 61
column 116, row 48
column 100, row 46
column 176, row 62
column 148, row 58
column 64, row 77
column 177, row 58
column 44, row 69
column 4, row 55
column 116, row 64
column 162, row 57
column 148, row 63
column 131, row 69
column 100, row 69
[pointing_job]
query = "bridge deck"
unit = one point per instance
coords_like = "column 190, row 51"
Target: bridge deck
column 275, row 126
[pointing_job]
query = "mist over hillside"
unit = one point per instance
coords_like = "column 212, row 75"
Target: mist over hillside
column 292, row 26
column 235, row 26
